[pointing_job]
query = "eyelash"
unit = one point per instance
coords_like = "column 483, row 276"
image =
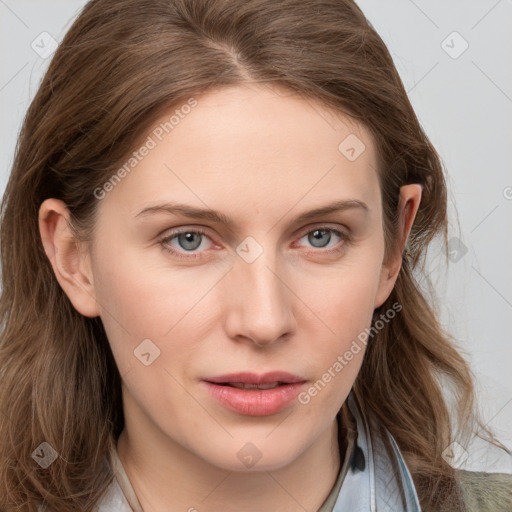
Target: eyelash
column 345, row 239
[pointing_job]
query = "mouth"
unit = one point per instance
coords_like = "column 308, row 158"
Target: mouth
column 270, row 379
column 245, row 385
column 255, row 395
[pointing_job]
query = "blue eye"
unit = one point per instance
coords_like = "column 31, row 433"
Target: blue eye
column 317, row 235
column 189, row 240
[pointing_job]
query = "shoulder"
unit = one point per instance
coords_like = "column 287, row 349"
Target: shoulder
column 484, row 492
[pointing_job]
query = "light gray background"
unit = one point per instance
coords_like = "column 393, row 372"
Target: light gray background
column 464, row 102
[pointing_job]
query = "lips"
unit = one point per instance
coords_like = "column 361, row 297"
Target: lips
column 251, row 394
column 253, row 380
column 242, row 385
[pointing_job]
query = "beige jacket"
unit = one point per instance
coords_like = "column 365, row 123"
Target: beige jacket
column 486, row 492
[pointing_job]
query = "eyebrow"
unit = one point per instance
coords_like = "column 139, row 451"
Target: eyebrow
column 192, row 212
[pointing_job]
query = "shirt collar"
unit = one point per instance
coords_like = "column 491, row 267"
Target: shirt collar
column 378, row 478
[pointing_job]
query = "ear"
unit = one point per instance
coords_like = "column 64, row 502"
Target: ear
column 70, row 264
column 409, row 202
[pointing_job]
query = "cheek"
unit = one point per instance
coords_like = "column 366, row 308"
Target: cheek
column 342, row 302
column 342, row 297
column 139, row 301
column 345, row 299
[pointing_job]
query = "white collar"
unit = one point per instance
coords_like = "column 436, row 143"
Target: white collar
column 381, row 481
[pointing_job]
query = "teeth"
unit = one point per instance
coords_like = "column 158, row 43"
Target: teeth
column 242, row 385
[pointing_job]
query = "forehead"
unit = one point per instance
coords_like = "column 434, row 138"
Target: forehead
column 247, row 145
column 260, row 119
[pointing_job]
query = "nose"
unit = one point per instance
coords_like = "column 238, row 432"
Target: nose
column 260, row 302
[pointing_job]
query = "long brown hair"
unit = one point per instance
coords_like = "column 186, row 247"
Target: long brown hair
column 121, row 64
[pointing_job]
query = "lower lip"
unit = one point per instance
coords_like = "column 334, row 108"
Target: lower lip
column 254, row 402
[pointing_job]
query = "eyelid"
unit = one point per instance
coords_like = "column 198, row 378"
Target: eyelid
column 325, row 225
column 299, row 234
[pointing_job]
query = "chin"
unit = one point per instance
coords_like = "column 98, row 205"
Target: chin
column 254, row 456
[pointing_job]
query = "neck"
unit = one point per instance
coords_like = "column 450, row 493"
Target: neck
column 166, row 474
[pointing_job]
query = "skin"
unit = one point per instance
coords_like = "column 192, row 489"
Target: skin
column 261, row 156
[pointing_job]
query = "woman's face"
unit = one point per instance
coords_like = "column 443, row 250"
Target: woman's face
column 270, row 291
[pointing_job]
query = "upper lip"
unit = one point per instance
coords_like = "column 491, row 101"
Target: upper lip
column 253, row 378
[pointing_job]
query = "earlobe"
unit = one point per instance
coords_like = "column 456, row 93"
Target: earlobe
column 64, row 253
column 408, row 205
